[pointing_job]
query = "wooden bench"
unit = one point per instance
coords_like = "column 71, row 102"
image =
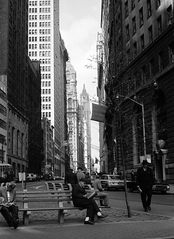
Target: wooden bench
column 55, row 200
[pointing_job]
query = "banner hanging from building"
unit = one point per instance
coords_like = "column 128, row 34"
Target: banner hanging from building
column 98, row 112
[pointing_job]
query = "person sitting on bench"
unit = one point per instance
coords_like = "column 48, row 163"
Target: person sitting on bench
column 104, row 201
column 80, row 199
column 8, row 208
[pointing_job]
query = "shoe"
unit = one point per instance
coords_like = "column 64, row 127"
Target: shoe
column 149, row 208
column 16, row 223
column 89, row 222
column 102, row 216
column 145, row 209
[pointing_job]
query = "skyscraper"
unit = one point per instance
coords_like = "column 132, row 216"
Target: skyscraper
column 45, row 44
column 72, row 114
column 85, row 102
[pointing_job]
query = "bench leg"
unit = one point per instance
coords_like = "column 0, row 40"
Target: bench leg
column 61, row 216
column 26, row 217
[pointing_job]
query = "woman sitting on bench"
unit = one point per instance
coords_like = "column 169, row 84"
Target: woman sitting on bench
column 80, row 199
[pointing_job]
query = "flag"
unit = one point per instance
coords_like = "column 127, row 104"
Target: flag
column 98, row 112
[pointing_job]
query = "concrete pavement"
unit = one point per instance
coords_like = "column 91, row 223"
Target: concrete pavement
column 142, row 225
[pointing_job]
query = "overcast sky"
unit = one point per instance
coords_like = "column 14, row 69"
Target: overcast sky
column 79, row 24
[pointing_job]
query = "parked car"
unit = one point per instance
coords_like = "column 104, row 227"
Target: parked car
column 58, row 178
column 31, row 177
column 157, row 187
column 160, row 187
column 109, row 181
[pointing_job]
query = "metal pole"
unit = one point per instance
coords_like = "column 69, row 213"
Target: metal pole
column 124, row 167
column 143, row 120
column 144, row 132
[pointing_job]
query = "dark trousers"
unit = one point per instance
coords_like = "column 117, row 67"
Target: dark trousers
column 10, row 214
column 89, row 204
column 146, row 196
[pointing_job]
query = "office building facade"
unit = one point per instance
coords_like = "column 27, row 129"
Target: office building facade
column 46, row 45
column 139, row 84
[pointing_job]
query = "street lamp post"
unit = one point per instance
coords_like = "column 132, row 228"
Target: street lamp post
column 143, row 120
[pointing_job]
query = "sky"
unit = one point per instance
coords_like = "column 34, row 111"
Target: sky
column 79, row 25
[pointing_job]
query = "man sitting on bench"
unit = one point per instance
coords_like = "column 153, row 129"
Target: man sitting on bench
column 8, row 208
column 82, row 200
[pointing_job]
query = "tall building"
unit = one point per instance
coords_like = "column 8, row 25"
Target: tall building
column 85, row 103
column 72, row 115
column 45, row 44
column 139, row 118
column 20, row 90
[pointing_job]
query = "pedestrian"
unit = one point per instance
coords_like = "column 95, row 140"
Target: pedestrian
column 70, row 177
column 104, row 201
column 80, row 174
column 145, row 181
column 8, row 208
column 80, row 199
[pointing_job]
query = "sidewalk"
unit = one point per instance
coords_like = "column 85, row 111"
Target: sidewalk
column 73, row 217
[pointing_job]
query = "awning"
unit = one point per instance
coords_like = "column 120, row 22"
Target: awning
column 98, row 112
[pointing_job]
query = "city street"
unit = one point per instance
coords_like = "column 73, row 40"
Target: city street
column 158, row 223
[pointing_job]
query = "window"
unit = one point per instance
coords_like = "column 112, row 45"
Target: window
column 150, row 33
column 157, row 3
column 169, row 15
column 160, row 61
column 132, row 4
column 135, row 49
column 126, row 9
column 149, row 9
column 159, row 25
column 127, row 33
column 171, row 53
column 134, row 25
column 142, row 41
column 141, row 19
column 144, row 74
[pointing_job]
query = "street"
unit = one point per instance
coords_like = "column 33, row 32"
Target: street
column 124, row 229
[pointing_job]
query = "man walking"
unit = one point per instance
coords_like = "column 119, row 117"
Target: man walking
column 145, row 181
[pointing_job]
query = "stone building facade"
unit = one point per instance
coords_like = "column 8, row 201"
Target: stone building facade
column 140, row 78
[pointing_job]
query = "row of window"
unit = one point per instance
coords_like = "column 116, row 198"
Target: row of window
column 46, row 106
column 41, row 10
column 41, row 46
column 46, row 83
column 3, row 110
column 3, row 95
column 45, row 61
column 45, row 68
column 150, row 29
column 134, row 52
column 45, row 91
column 45, row 76
column 41, row 31
column 148, row 3
column 17, row 142
column 41, row 53
column 3, row 124
column 41, row 24
column 41, row 39
column 46, row 98
column 41, row 17
column 46, row 114
column 148, row 71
